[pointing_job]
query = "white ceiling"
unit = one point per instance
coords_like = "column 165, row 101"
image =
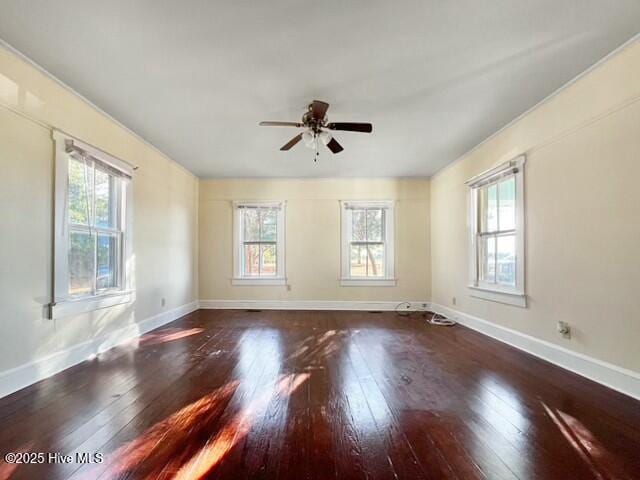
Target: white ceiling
column 435, row 77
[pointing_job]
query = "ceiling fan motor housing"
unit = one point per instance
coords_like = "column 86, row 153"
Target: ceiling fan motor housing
column 313, row 123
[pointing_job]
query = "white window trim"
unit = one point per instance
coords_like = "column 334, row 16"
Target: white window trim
column 280, row 278
column 346, row 280
column 498, row 293
column 64, row 305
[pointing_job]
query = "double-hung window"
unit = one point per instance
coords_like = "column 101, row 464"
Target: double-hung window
column 92, row 228
column 497, row 233
column 367, row 243
column 259, row 243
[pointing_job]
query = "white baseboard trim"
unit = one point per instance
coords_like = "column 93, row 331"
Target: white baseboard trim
column 617, row 378
column 32, row 372
column 309, row 305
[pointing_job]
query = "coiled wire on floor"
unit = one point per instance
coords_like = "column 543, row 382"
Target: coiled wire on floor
column 404, row 309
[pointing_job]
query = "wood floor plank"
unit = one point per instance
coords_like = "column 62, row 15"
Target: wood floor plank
column 94, row 432
column 400, row 452
column 541, row 415
column 442, row 389
column 321, row 395
column 184, row 419
column 496, row 426
column 108, row 422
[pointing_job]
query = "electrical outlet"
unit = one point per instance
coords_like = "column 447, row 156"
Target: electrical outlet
column 564, row 329
column 163, row 302
column 453, row 300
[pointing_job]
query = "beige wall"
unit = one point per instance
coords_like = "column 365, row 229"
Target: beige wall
column 583, row 216
column 165, row 218
column 313, row 225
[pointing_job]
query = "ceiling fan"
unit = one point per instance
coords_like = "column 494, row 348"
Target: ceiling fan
column 315, row 123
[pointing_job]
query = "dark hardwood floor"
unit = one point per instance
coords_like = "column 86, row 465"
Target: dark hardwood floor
column 320, row 395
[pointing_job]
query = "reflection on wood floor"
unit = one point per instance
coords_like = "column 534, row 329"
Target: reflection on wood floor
column 320, row 395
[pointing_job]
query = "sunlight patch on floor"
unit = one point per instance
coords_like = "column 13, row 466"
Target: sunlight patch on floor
column 585, row 444
column 215, row 450
column 168, row 335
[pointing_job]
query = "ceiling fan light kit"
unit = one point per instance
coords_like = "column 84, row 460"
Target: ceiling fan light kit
column 315, row 123
column 309, row 139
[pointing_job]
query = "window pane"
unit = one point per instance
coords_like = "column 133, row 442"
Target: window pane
column 507, row 260
column 269, row 225
column 105, row 200
column 358, row 225
column 81, row 257
column 268, row 265
column 488, row 259
column 80, row 185
column 251, row 259
column 107, row 261
column 375, row 260
column 507, row 194
column 375, row 221
column 358, row 262
column 491, row 209
column 251, row 225
column 367, row 261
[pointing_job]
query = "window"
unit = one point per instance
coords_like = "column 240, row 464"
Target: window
column 367, row 243
column 497, row 234
column 92, row 231
column 259, row 243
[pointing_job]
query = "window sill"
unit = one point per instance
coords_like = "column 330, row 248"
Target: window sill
column 368, row 282
column 500, row 296
column 264, row 281
column 70, row 307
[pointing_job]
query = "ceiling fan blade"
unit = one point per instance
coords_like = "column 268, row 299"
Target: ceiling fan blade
column 292, row 142
column 334, row 146
column 351, row 127
column 319, row 109
column 280, row 124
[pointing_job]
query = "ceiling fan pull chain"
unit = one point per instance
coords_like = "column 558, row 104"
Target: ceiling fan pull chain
column 315, row 159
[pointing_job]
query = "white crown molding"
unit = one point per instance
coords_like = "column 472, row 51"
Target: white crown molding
column 32, row 372
column 617, row 378
column 310, row 305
